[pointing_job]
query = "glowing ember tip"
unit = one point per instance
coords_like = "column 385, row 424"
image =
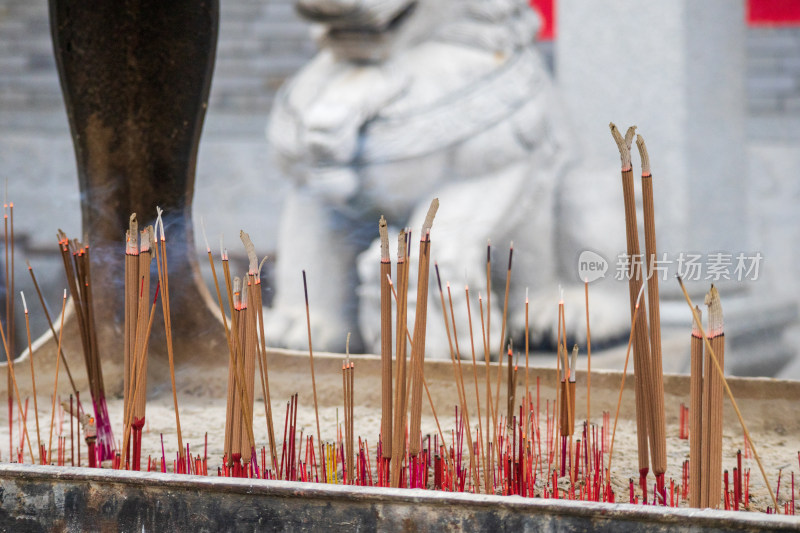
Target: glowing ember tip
column 24, row 303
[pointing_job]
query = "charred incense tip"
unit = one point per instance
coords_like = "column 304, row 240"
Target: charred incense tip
column 401, row 246
column 383, row 230
column 510, row 254
column 639, row 296
column 145, row 240
column 716, row 325
column 426, row 226
column 260, row 266
column 695, row 329
column 526, row 295
column 623, row 144
column 29, row 264
column 347, row 347
column 305, row 287
column 438, row 279
column 643, row 155
column 251, row 252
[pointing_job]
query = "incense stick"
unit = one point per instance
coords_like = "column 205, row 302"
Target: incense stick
column 503, row 328
column 659, row 439
column 311, row 361
column 55, row 386
column 696, row 413
column 163, row 276
column 714, row 390
column 420, row 320
column 715, row 361
column 33, row 377
column 401, row 393
column 386, row 341
column 483, row 456
column 641, row 350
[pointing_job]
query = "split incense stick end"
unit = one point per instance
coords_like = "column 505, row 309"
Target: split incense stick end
column 643, row 155
column 715, row 321
column 623, row 144
column 160, row 223
column 251, row 252
column 383, row 230
column 426, row 226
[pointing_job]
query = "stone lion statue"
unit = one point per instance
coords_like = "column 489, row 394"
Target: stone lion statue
column 408, row 100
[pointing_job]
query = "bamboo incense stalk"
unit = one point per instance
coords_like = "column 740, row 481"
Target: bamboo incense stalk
column 641, row 349
column 710, row 350
column 55, row 386
column 33, row 378
column 311, row 362
column 696, row 417
column 713, row 416
column 420, row 321
column 386, row 341
column 50, row 324
column 659, row 436
column 163, row 276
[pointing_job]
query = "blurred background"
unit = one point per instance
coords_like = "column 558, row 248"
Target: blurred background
column 755, row 44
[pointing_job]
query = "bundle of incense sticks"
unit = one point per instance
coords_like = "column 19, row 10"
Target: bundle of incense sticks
column 77, row 268
column 138, row 325
column 649, row 404
column 711, row 440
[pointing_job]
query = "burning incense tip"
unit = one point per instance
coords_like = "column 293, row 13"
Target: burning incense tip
column 203, row 229
column 24, row 304
column 643, row 155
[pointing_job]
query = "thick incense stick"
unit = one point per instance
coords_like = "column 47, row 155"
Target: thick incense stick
column 713, row 415
column 33, row 378
column 718, row 367
column 55, row 386
column 163, row 276
column 9, row 314
column 131, row 300
column 401, row 393
column 386, row 341
column 420, row 322
column 659, row 436
column 696, row 414
column 641, row 349
column 311, row 362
